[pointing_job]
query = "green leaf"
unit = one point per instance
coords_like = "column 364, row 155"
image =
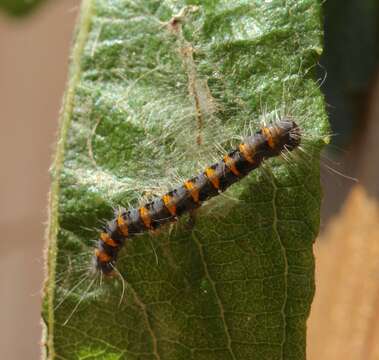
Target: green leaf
column 156, row 87
column 19, row 7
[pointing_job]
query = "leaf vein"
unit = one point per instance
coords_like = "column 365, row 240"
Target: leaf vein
column 140, row 303
column 219, row 302
column 285, row 275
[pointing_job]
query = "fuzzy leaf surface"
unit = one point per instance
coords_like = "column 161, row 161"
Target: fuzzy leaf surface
column 155, row 88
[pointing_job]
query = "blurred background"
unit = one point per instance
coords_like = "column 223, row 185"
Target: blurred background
column 35, row 40
column 34, row 53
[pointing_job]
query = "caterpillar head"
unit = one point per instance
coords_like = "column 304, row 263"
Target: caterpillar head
column 289, row 134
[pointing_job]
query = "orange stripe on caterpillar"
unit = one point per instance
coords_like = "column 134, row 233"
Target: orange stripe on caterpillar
column 269, row 137
column 231, row 164
column 105, row 237
column 102, row 256
column 168, row 201
column 193, row 190
column 122, row 225
column 145, row 216
column 213, row 178
column 247, row 152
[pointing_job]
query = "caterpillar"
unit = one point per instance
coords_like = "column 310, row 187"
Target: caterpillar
column 268, row 142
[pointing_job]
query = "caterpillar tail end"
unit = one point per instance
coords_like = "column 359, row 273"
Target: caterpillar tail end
column 104, row 263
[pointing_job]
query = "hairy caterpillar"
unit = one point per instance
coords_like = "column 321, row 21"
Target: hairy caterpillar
column 268, row 142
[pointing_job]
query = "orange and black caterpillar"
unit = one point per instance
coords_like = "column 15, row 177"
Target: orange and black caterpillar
column 268, row 142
